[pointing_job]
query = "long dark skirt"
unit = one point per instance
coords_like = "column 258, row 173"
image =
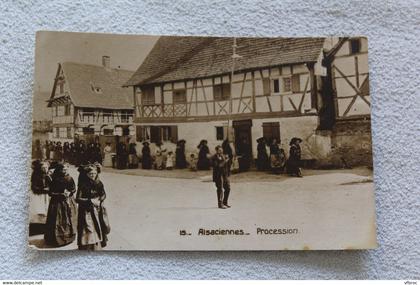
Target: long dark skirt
column 90, row 235
column 293, row 167
column 146, row 162
column 60, row 228
column 263, row 162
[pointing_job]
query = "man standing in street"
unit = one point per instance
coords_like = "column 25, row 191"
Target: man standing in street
column 221, row 177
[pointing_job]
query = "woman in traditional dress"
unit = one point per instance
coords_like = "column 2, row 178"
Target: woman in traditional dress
column 66, row 152
column 52, row 150
column 58, row 153
column 72, row 153
column 91, row 229
column 133, row 161
column 47, row 150
column 262, row 156
column 146, row 158
column 97, row 153
column 37, row 150
column 159, row 156
column 203, row 160
column 294, row 161
column 180, row 159
column 107, row 162
column 277, row 157
column 122, row 156
column 40, row 185
column 61, row 219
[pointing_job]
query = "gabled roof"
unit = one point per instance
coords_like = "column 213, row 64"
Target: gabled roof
column 181, row 58
column 80, row 78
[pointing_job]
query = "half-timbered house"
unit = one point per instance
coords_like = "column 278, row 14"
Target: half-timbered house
column 88, row 102
column 193, row 88
column 348, row 71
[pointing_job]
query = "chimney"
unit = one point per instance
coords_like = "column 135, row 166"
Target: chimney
column 106, row 62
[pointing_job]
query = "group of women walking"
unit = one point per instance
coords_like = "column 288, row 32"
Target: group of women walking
column 76, row 153
column 277, row 161
column 72, row 211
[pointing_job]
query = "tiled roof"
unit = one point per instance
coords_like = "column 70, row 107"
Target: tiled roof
column 109, row 95
column 180, row 58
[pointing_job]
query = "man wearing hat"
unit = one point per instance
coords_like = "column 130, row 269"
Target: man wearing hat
column 293, row 164
column 221, row 177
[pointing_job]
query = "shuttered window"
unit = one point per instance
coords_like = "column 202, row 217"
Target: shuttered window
column 148, row 95
column 160, row 134
column 69, row 134
column 287, row 84
column 221, row 92
column 271, row 131
column 180, row 96
column 266, row 86
column 295, row 83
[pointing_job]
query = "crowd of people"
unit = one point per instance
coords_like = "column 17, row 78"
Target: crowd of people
column 270, row 156
column 76, row 153
column 54, row 194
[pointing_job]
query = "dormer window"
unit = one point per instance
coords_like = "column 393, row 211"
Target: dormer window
column 96, row 89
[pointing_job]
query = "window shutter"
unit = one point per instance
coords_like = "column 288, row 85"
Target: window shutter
column 217, row 92
column 174, row 134
column 295, row 83
column 266, row 86
column 154, row 134
column 271, row 131
column 275, row 127
column 226, row 91
column 139, row 133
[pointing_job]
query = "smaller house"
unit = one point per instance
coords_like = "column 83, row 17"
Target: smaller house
column 89, row 103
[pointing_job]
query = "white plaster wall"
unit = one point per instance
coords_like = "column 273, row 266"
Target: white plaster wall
column 394, row 37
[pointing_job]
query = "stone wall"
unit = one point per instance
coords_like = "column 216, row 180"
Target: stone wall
column 351, row 144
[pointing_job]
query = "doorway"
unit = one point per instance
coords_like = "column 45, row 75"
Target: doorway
column 243, row 143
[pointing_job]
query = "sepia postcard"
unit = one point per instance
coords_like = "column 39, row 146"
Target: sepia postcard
column 201, row 143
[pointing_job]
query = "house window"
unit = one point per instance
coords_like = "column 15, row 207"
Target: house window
column 107, row 116
column 57, row 132
column 219, row 133
column 287, row 84
column 163, row 133
column 148, row 96
column 221, row 92
column 126, row 116
column 271, row 131
column 295, row 83
column 276, row 85
column 108, row 132
column 88, row 131
column 355, row 46
column 56, row 111
column 63, row 133
column 88, row 115
column 180, row 96
column 69, row 135
column 67, row 110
